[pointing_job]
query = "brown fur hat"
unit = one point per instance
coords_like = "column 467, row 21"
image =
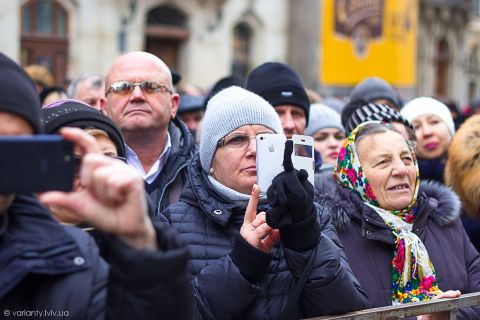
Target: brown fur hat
column 462, row 171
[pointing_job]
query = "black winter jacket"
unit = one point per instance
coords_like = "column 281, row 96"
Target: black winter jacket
column 233, row 280
column 369, row 242
column 47, row 267
column 166, row 188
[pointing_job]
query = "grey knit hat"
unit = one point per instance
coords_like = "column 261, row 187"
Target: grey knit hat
column 374, row 88
column 322, row 117
column 228, row 110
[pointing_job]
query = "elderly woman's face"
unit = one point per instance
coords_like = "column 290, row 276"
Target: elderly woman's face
column 235, row 167
column 433, row 136
column 388, row 165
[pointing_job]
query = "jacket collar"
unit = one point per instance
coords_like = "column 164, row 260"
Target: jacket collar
column 181, row 138
column 435, row 201
column 199, row 191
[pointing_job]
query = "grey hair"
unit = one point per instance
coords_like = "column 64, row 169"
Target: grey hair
column 95, row 81
column 377, row 128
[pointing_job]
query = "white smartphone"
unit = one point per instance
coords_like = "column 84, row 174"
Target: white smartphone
column 270, row 149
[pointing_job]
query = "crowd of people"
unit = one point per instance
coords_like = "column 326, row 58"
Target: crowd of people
column 165, row 219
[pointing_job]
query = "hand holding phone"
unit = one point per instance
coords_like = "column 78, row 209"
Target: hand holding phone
column 292, row 210
column 270, row 156
column 112, row 197
column 290, row 190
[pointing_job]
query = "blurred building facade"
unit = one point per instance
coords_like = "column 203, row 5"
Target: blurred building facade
column 202, row 39
column 207, row 39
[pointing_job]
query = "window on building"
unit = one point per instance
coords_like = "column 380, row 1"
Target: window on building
column 44, row 37
column 442, row 63
column 242, row 39
column 166, row 30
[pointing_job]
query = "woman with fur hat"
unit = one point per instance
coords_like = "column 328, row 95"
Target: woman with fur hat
column 434, row 130
column 462, row 173
column 275, row 256
column 381, row 210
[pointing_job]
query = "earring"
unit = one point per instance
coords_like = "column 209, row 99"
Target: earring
column 211, row 172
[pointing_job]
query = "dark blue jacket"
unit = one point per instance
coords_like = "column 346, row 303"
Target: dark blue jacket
column 369, row 242
column 232, row 279
column 49, row 267
column 166, row 188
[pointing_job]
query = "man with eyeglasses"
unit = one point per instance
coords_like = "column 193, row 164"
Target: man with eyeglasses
column 141, row 101
column 55, row 271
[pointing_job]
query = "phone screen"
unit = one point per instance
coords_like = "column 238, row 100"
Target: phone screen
column 303, row 150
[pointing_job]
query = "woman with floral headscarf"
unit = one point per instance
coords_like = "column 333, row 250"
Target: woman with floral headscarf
column 403, row 238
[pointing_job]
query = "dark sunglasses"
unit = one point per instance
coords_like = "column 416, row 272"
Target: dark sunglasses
column 126, row 87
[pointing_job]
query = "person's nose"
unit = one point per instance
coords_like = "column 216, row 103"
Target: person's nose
column 427, row 130
column 399, row 168
column 251, row 148
column 137, row 93
column 287, row 122
column 332, row 142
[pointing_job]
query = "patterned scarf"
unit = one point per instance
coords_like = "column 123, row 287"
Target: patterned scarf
column 413, row 275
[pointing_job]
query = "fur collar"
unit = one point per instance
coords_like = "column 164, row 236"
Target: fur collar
column 442, row 200
column 444, row 204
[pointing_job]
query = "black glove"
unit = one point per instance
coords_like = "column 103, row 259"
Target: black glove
column 292, row 211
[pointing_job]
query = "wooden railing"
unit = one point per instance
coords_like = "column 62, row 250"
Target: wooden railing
column 413, row 309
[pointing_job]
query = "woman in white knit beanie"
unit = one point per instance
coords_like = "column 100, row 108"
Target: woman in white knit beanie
column 434, row 130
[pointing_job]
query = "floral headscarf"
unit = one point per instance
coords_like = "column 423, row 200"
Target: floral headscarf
column 413, row 275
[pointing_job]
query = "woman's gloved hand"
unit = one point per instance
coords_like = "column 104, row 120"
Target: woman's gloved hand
column 291, row 200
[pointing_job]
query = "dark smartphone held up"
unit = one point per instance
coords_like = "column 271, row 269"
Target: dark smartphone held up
column 36, row 163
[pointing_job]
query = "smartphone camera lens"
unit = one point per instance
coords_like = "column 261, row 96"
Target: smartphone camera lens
column 261, row 138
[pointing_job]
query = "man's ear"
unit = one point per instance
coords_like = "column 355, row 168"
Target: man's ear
column 103, row 105
column 175, row 100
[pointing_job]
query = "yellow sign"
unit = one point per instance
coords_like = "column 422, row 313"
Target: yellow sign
column 364, row 38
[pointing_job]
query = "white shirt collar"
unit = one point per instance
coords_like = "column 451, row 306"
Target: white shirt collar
column 151, row 175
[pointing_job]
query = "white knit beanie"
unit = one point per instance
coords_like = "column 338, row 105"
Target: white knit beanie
column 228, row 110
column 428, row 106
column 322, row 117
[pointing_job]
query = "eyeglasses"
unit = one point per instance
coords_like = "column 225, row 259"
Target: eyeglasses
column 126, row 87
column 236, row 141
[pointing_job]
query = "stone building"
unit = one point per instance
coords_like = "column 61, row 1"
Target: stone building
column 207, row 39
column 447, row 49
column 202, row 39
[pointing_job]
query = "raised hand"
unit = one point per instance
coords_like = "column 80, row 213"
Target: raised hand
column 290, row 195
column 112, row 198
column 255, row 229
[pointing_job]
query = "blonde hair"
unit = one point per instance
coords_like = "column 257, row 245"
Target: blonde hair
column 96, row 133
column 40, row 75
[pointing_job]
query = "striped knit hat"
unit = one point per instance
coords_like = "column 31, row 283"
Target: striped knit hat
column 374, row 111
